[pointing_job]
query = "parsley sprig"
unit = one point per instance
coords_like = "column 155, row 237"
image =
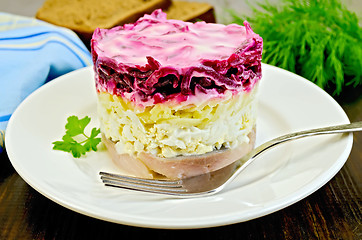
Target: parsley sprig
column 75, row 140
column 317, row 39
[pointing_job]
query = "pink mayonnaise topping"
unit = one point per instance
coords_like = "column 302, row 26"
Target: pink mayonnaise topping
column 156, row 60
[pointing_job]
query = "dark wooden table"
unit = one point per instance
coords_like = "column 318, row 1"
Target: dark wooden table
column 332, row 212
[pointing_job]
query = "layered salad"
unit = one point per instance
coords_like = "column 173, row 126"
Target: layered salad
column 174, row 96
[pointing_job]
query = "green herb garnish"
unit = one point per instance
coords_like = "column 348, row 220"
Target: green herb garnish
column 317, row 39
column 75, row 140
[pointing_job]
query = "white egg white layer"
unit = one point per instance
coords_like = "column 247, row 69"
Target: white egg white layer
column 170, row 130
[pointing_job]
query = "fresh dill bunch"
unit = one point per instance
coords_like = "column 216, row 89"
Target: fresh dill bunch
column 318, row 39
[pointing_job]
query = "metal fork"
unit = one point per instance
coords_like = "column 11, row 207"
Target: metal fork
column 213, row 182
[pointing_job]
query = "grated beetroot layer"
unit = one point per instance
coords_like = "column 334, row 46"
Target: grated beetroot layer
column 156, row 60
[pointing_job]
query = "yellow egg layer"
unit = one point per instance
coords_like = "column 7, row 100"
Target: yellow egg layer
column 169, row 130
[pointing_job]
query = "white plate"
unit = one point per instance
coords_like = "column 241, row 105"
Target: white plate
column 276, row 180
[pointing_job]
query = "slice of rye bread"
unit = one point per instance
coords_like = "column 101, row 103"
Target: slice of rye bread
column 84, row 16
column 191, row 11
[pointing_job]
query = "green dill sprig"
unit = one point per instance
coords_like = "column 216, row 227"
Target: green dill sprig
column 75, row 140
column 318, row 39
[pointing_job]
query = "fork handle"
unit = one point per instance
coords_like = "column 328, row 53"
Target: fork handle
column 344, row 128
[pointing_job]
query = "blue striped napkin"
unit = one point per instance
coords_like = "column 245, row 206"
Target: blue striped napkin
column 32, row 53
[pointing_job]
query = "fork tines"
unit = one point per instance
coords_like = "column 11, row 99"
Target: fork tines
column 142, row 184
